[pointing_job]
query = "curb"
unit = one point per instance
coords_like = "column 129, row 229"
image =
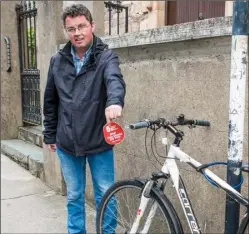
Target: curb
column 28, row 161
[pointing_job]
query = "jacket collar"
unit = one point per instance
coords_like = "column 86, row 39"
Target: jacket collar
column 85, row 56
column 97, row 47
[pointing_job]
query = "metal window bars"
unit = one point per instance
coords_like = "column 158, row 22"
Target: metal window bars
column 118, row 7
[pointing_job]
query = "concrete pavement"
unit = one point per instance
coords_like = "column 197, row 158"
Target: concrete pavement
column 28, row 206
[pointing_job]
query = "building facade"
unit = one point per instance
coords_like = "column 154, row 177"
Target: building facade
column 144, row 15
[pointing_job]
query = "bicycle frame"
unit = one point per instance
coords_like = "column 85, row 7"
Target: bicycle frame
column 170, row 168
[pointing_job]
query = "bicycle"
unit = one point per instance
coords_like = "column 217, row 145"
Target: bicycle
column 151, row 191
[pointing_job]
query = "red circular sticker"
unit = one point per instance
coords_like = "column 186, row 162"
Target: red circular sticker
column 113, row 133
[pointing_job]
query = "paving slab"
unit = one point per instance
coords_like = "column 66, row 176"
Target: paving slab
column 29, row 206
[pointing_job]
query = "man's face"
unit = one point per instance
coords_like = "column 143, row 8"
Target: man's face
column 79, row 30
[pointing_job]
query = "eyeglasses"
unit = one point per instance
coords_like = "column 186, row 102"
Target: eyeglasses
column 81, row 28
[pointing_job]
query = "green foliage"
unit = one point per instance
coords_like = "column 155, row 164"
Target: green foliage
column 31, row 47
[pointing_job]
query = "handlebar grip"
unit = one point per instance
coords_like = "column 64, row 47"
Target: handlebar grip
column 201, row 122
column 142, row 124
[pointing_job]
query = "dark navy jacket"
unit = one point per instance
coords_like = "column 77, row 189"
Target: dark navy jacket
column 74, row 104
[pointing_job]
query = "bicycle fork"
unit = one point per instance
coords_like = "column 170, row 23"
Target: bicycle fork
column 145, row 197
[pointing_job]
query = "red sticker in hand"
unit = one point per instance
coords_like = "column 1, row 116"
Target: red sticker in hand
column 113, row 133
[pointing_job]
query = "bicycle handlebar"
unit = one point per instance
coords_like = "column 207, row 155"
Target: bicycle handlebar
column 163, row 123
column 204, row 123
column 143, row 124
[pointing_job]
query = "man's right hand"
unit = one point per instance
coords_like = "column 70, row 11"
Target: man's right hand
column 51, row 147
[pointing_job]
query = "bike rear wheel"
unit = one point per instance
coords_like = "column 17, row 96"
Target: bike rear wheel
column 118, row 210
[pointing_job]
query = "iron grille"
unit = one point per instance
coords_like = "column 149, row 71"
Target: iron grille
column 31, row 96
column 30, row 75
column 118, row 7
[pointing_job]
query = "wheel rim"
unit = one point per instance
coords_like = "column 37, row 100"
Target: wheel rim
column 120, row 210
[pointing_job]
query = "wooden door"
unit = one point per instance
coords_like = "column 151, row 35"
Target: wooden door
column 212, row 9
column 183, row 11
column 187, row 11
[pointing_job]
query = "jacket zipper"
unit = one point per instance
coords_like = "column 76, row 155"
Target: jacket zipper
column 87, row 68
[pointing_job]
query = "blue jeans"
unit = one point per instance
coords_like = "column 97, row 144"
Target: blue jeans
column 74, row 172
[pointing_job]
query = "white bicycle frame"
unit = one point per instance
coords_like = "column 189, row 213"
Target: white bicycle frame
column 170, row 168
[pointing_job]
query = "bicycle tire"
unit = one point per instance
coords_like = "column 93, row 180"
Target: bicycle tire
column 165, row 205
column 244, row 225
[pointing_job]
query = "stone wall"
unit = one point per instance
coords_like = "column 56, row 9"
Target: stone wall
column 165, row 80
column 47, row 38
column 11, row 105
column 167, row 73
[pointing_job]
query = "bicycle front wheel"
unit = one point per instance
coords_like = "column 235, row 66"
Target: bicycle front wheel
column 119, row 206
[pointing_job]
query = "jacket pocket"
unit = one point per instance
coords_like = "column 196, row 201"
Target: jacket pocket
column 64, row 136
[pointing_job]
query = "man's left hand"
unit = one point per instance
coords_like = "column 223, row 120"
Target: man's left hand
column 113, row 112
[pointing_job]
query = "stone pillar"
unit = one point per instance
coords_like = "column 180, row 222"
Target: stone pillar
column 49, row 35
column 144, row 15
column 158, row 14
column 229, row 8
column 97, row 9
column 11, row 105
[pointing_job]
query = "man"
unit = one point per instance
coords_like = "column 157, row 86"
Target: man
column 85, row 89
